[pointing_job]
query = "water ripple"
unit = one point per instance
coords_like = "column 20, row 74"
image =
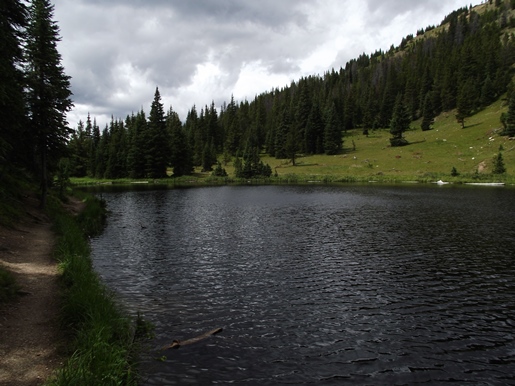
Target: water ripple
column 319, row 285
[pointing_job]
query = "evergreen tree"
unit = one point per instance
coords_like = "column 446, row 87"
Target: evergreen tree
column 214, row 131
column 49, row 95
column 281, row 135
column 208, row 157
column 488, row 93
column 181, row 159
column 499, row 167
column 157, row 152
column 102, row 154
column 117, row 152
column 302, row 113
column 191, row 127
column 332, row 133
column 252, row 166
column 232, row 128
column 13, row 18
column 508, row 118
column 219, row 171
column 238, row 167
column 136, row 157
column 428, row 114
column 78, row 147
column 465, row 102
column 315, row 130
column 93, row 133
column 400, row 123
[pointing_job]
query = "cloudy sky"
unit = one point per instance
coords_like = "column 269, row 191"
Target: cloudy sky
column 197, row 51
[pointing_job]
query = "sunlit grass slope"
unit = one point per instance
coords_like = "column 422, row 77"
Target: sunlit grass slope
column 431, row 154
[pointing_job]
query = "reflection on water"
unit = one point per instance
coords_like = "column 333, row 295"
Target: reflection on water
column 319, row 285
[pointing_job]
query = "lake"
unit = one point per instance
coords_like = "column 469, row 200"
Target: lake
column 351, row 284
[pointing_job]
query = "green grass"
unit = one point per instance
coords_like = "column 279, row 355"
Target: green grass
column 103, row 339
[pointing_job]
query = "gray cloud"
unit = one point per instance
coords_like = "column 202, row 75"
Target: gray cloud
column 118, row 51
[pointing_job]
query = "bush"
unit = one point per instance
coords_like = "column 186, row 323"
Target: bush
column 395, row 142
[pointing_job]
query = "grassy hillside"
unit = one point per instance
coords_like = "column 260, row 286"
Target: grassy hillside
column 430, row 156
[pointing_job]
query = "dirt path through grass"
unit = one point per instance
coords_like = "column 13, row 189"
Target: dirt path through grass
column 29, row 326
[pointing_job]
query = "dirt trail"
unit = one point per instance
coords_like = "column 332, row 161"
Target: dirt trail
column 29, row 327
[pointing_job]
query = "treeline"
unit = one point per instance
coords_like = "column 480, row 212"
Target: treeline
column 464, row 64
column 34, row 91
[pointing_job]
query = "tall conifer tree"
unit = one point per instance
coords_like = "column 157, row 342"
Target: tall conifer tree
column 400, row 122
column 13, row 18
column 333, row 132
column 181, row 159
column 49, row 95
column 158, row 151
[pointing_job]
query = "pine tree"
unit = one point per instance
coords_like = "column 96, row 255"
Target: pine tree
column 315, row 130
column 238, row 167
column 78, row 147
column 209, row 157
column 281, row 135
column 428, row 114
column 499, row 167
column 117, row 152
column 93, row 134
column 332, row 132
column 181, row 159
column 465, row 102
column 49, row 95
column 136, row 160
column 219, row 171
column 157, row 151
column 400, row 123
column 488, row 93
column 232, row 128
column 191, row 128
column 509, row 117
column 13, row 18
column 102, row 154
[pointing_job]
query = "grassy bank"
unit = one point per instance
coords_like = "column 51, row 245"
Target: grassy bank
column 103, row 335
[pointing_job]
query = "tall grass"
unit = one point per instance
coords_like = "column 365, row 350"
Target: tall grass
column 100, row 348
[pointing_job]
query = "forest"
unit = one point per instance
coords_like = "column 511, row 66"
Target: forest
column 463, row 65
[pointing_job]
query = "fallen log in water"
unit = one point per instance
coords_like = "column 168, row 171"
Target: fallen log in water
column 178, row 343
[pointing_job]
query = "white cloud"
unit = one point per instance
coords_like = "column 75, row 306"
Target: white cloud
column 118, row 51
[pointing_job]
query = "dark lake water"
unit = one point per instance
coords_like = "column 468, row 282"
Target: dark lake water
column 318, row 285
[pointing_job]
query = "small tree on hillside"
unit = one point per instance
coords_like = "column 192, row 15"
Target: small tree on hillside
column 464, row 103
column 400, row 123
column 499, row 167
